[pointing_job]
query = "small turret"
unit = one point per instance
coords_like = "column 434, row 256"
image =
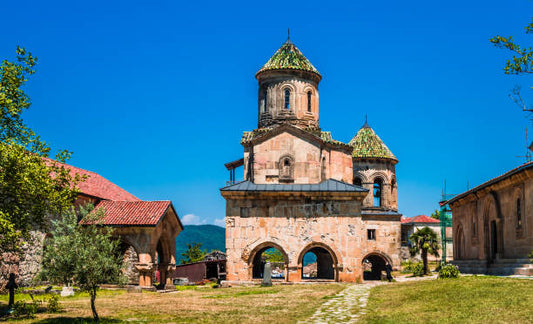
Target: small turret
column 374, row 169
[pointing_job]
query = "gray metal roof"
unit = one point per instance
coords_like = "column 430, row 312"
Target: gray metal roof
column 329, row 185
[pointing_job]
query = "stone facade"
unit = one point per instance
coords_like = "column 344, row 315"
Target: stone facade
column 493, row 222
column 299, row 194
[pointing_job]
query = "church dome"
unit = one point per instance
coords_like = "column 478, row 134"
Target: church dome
column 367, row 144
column 288, row 57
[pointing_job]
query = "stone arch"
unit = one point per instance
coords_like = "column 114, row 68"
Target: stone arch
column 292, row 97
column 379, row 175
column 362, row 176
column 459, row 243
column 286, row 168
column 130, row 258
column 492, row 227
column 517, row 209
column 327, row 261
column 312, row 104
column 256, row 264
column 374, row 264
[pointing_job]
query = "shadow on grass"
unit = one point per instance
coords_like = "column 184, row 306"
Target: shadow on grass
column 77, row 320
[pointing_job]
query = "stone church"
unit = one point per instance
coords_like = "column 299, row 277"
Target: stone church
column 305, row 192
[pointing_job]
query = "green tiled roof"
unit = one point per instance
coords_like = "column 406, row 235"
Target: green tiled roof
column 288, row 56
column 367, row 144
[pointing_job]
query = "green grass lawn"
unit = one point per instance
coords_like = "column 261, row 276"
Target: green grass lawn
column 470, row 299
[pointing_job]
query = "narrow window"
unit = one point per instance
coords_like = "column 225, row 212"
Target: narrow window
column 309, row 101
column 287, row 99
column 265, row 103
column 357, row 181
column 518, row 214
column 371, row 234
column 377, row 192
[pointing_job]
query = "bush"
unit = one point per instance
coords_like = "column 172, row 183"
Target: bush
column 23, row 309
column 407, row 266
column 530, row 256
column 53, row 304
column 449, row 271
column 418, row 269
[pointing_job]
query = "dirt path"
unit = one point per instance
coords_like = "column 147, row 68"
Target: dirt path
column 349, row 305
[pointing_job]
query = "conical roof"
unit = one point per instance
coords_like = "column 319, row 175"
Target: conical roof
column 288, row 57
column 367, row 144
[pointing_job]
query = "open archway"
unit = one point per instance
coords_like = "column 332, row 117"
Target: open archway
column 318, row 262
column 272, row 253
column 374, row 265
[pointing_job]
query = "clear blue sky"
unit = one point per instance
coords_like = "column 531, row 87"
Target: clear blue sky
column 155, row 95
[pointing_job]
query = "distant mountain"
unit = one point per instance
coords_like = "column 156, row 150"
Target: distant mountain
column 212, row 237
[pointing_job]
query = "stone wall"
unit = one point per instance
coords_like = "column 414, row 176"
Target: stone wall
column 294, row 224
column 307, row 158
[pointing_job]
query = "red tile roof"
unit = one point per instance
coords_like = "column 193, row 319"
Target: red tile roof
column 132, row 213
column 419, row 219
column 97, row 186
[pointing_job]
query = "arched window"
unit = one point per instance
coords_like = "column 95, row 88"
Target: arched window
column 309, row 101
column 518, row 214
column 286, row 167
column 378, row 185
column 357, row 181
column 287, row 99
column 265, row 103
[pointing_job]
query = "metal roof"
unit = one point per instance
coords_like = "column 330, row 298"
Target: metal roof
column 330, row 185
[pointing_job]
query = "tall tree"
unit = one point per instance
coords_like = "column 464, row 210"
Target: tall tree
column 32, row 187
column 84, row 254
column 424, row 241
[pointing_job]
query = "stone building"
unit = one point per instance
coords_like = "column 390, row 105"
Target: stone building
column 306, row 192
column 147, row 231
column 493, row 224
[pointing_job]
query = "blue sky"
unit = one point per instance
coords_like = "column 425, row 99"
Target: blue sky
column 155, row 95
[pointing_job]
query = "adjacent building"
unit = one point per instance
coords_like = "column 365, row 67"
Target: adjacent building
column 493, row 224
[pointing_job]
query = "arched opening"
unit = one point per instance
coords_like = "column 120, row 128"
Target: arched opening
column 265, row 102
column 318, row 263
column 129, row 259
column 287, row 104
column 323, row 169
column 374, row 266
column 162, row 260
column 277, row 259
column 459, row 244
column 286, row 169
column 357, row 181
column 518, row 214
column 309, row 96
column 378, row 186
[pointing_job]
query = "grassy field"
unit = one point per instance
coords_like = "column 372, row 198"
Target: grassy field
column 282, row 304
column 470, row 299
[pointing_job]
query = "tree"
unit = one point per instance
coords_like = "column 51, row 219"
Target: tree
column 436, row 214
column 424, row 241
column 82, row 253
column 521, row 62
column 273, row 255
column 193, row 254
column 32, row 187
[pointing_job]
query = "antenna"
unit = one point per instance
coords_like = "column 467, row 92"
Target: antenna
column 528, row 152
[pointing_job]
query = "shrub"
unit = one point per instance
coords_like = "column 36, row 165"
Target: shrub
column 449, row 271
column 418, row 269
column 530, row 256
column 407, row 266
column 27, row 310
column 53, row 304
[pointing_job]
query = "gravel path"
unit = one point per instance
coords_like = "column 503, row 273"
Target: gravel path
column 348, row 305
